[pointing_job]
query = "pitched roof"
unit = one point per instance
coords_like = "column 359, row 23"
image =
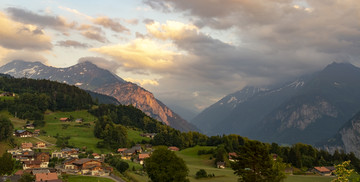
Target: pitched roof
column 46, row 176
column 38, row 171
column 82, row 161
column 144, row 156
column 322, row 169
column 26, row 145
column 174, row 148
column 121, row 149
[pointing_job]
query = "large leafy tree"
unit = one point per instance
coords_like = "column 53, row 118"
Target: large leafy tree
column 165, row 166
column 6, row 128
column 253, row 163
column 7, row 164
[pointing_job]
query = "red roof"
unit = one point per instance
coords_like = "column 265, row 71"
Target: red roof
column 26, row 145
column 322, row 169
column 121, row 149
column 173, row 148
column 144, row 156
column 46, row 176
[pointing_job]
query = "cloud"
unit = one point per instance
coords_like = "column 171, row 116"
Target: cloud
column 102, row 63
column 29, row 56
column 143, row 82
column 93, row 33
column 75, row 12
column 72, row 43
column 15, row 35
column 26, row 16
column 171, row 30
column 140, row 54
column 107, row 22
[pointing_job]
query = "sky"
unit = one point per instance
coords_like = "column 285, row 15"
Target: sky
column 189, row 53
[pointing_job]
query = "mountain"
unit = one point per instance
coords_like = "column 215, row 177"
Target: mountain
column 309, row 109
column 347, row 138
column 90, row 77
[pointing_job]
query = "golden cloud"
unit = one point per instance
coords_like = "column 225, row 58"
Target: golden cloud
column 143, row 82
column 171, row 30
column 15, row 35
column 142, row 54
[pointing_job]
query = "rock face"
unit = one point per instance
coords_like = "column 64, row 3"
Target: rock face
column 308, row 110
column 347, row 138
column 90, row 77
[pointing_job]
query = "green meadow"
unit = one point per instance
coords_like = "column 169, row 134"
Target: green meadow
column 73, row 178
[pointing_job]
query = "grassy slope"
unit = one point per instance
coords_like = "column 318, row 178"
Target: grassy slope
column 73, row 178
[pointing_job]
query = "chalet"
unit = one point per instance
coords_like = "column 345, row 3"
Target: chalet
column 232, row 155
column 322, row 171
column 40, row 145
column 70, row 152
column 65, row 119
column 14, row 152
column 37, row 132
column 7, row 94
column 79, row 120
column 26, row 146
column 148, row 135
column 129, row 153
column 96, row 155
column 121, row 150
column 30, row 126
column 25, row 156
column 68, row 164
column 220, row 165
column 49, row 177
column 43, row 158
column 89, row 166
column 57, row 154
column 142, row 158
column 31, row 164
column 173, row 148
column 23, row 133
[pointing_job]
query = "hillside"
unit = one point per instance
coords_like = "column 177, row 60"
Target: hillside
column 309, row 109
column 90, row 77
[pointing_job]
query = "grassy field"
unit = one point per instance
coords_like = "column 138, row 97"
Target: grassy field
column 135, row 136
column 301, row 178
column 80, row 135
column 73, row 178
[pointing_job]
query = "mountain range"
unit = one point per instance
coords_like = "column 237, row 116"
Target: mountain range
column 88, row 76
column 310, row 109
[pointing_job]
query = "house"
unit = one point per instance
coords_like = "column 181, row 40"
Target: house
column 43, row 158
column 68, row 164
column 129, row 153
column 121, row 150
column 148, row 135
column 48, row 177
column 30, row 126
column 23, row 133
column 14, row 152
column 173, row 148
column 37, row 132
column 7, row 94
column 57, row 154
column 322, row 171
column 65, row 119
column 79, row 120
column 96, row 155
column 232, row 155
column 31, row 164
column 70, row 152
column 40, row 145
column 25, row 155
column 26, row 146
column 88, row 166
column 142, row 158
column 220, row 165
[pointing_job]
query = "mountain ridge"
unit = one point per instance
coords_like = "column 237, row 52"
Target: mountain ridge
column 88, row 76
